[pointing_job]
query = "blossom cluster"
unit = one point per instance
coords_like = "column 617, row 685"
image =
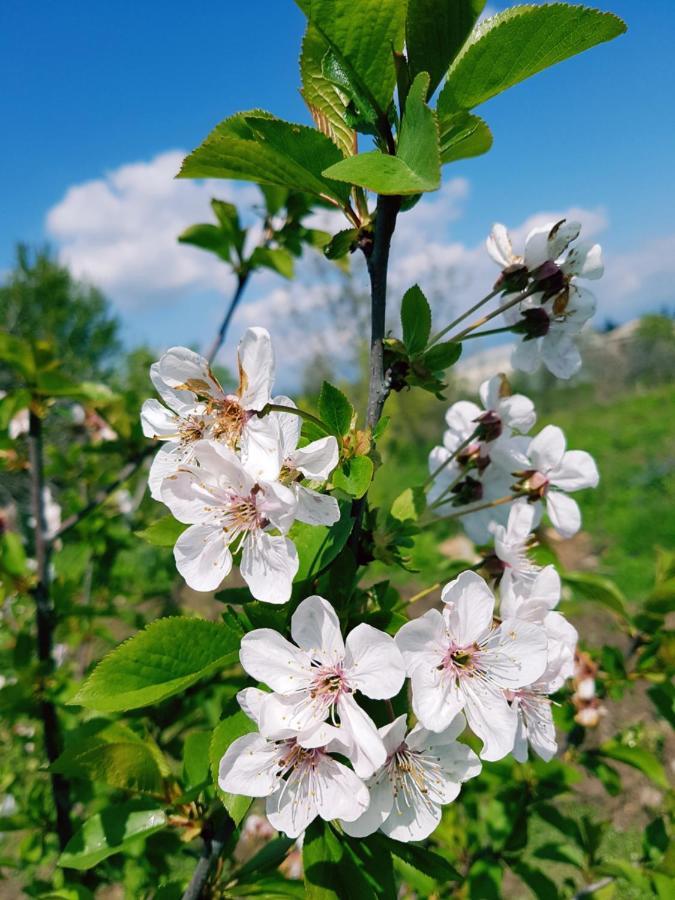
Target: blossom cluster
column 233, row 472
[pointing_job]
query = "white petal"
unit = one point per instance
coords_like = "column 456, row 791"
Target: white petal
column 340, row 793
column 561, row 236
column 489, row 392
column 393, row 734
column 318, row 459
column 367, row 751
column 492, row 720
column 290, row 425
column 270, row 658
column 516, row 654
column 469, row 607
column 256, row 368
column 436, row 700
column 184, row 370
column 269, row 563
column 314, row 508
column 540, row 728
column 517, row 412
column 278, row 504
column 422, row 738
column 547, row 449
column 158, row 421
column 285, row 715
column 458, row 763
column 249, row 767
column 526, row 355
column 373, row 663
column 224, row 466
column 250, row 701
column 422, row 641
column 316, row 628
column 381, row 804
column 189, row 498
column 511, row 453
column 203, row 557
column 564, row 513
column 585, row 260
column 460, row 419
column 576, row 471
column 261, row 449
column 537, row 250
column 499, row 246
column 560, row 355
column 166, row 462
column 413, row 822
column 293, row 807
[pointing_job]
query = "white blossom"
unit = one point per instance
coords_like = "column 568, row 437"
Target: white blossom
column 457, row 660
column 19, row 424
column 511, row 543
column 315, row 681
column 423, row 771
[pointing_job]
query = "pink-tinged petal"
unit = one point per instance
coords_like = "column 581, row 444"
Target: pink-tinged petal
column 492, row 720
column 411, row 821
column 547, row 449
column 516, row 653
column 537, row 250
column 517, row 412
column 256, row 368
column 269, row 563
column 249, row 767
column 373, row 663
column 560, row 354
column 381, row 804
column 261, row 451
column 250, row 701
column 341, row 794
column 270, row 658
column 576, row 471
column 158, row 422
column 499, row 246
column 278, row 504
column 526, row 355
column 318, row 459
column 367, row 751
column 166, row 462
column 202, row 557
column 469, row 607
column 564, row 513
column 422, row 641
column 314, row 508
column 184, row 370
column 293, row 807
column 316, row 628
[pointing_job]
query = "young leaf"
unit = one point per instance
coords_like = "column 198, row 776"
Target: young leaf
column 335, row 410
column 442, row 356
column 208, row 237
column 278, row 259
column 638, row 758
column 435, row 32
column 318, row 545
column 326, row 103
column 415, row 169
column 354, row 476
column 129, row 765
column 165, row 658
column 341, row 243
column 110, row 831
column 162, row 533
column 409, row 505
column 517, row 43
column 17, row 354
column 363, row 35
column 463, row 135
column 255, row 146
column 598, row 589
column 235, row 723
column 196, row 758
column 415, row 320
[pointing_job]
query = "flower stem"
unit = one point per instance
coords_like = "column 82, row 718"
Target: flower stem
column 455, row 322
column 480, row 334
column 455, row 453
column 293, row 411
column 464, row 511
column 514, row 301
column 425, row 593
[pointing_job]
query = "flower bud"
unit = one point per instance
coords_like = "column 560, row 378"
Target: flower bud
column 535, row 323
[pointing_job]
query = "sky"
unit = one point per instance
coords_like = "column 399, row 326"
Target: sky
column 101, row 101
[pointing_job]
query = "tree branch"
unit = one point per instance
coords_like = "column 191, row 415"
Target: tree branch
column 219, row 340
column 216, row 832
column 45, row 617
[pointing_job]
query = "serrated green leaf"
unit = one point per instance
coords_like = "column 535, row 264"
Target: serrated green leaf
column 638, row 758
column 463, row 136
column 363, row 36
column 435, row 32
column 318, row 545
column 341, row 243
column 442, row 356
column 276, row 258
column 409, row 505
column 110, row 831
column 517, row 43
column 17, row 354
column 420, row 858
column 234, row 724
column 162, row 533
column 196, row 758
column 325, row 102
column 256, row 147
column 208, row 237
column 335, row 410
column 330, row 871
column 598, row 589
column 415, row 320
column 127, row 763
column 415, row 169
column 163, row 659
column 354, row 476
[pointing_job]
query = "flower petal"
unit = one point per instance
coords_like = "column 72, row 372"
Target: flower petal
column 564, row 513
column 499, row 246
column 318, row 459
column 269, row 563
column 526, row 355
column 576, row 471
column 270, row 658
column 340, row 792
column 517, row 411
column 422, row 641
column 261, row 450
column 203, row 557
column 560, row 355
column 167, row 460
column 436, row 700
column 381, row 804
column 492, row 720
column 158, row 422
column 315, row 628
column 184, row 370
column 256, row 368
column 314, row 508
column 250, row 701
column 293, row 807
column 537, row 250
column 367, row 751
column 547, row 449
column 373, row 663
column 411, row 821
column 249, row 767
column 469, row 607
column 515, row 654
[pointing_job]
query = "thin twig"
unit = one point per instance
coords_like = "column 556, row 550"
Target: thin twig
column 219, row 339
column 425, row 593
column 455, row 453
column 466, row 510
column 215, row 835
column 45, row 621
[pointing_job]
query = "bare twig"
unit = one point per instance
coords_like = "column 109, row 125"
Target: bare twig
column 220, row 337
column 215, row 834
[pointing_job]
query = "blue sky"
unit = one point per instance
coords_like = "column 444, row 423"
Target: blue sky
column 96, row 87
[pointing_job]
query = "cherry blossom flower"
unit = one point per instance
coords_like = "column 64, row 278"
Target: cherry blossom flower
column 511, row 543
column 19, row 424
column 316, row 678
column 457, row 660
column 199, row 408
column 423, row 771
column 550, row 472
column 227, row 509
column 300, row 783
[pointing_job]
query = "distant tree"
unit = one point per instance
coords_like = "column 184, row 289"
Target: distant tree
column 41, row 301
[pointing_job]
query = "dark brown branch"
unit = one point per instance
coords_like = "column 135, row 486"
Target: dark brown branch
column 216, row 833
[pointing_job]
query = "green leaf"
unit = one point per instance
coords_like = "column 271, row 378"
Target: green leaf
column 278, row 259
column 330, row 870
column 208, row 237
column 325, row 102
column 517, row 43
column 663, row 698
column 420, row 858
column 196, row 758
column 463, row 135
column 53, row 384
column 318, row 545
column 270, row 856
column 162, row 660
column 409, row 505
column 12, row 554
column 598, row 589
column 416, row 168
column 162, row 533
column 638, row 758
column 540, row 884
column 363, row 35
column 17, row 354
column 435, row 32
column 235, row 723
column 110, row 831
column 354, row 476
column 341, row 243
column 442, row 356
column 255, row 146
column 415, row 320
column 563, row 853
column 335, row 410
